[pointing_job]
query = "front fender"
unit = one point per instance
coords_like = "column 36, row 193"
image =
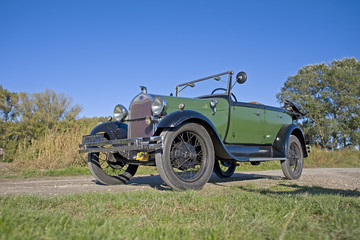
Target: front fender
column 281, row 143
column 175, row 119
column 114, row 130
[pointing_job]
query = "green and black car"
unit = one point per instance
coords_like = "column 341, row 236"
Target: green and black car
column 188, row 139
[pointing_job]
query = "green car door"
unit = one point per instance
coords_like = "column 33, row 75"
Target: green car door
column 275, row 118
column 246, row 123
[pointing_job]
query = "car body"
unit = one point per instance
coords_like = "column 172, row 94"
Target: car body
column 188, row 139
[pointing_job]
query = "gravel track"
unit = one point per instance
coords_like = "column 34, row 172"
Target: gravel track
column 329, row 178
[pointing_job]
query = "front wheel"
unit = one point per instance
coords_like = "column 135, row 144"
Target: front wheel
column 187, row 159
column 109, row 169
column 292, row 167
column 106, row 168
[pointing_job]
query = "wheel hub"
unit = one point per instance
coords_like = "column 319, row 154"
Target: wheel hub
column 293, row 156
column 113, row 163
column 184, row 155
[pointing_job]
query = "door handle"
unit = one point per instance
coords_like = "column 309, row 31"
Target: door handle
column 258, row 113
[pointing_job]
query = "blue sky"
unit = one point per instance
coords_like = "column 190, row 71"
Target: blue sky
column 100, row 52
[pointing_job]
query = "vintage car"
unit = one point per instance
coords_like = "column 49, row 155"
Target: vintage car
column 188, row 139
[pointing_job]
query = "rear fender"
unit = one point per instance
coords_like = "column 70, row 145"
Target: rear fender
column 281, row 143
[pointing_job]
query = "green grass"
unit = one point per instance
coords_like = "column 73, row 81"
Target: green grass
column 345, row 158
column 238, row 212
column 28, row 173
column 142, row 170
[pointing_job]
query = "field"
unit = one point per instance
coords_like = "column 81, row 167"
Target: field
column 238, row 212
column 281, row 210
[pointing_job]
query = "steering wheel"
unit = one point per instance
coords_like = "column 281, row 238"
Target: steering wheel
column 217, row 89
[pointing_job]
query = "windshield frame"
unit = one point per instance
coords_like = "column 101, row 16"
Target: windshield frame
column 191, row 83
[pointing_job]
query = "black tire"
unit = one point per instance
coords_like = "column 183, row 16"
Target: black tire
column 292, row 167
column 108, row 168
column 187, row 159
column 224, row 169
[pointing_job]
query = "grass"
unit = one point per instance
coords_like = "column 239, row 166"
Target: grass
column 345, row 158
column 238, row 212
column 28, row 173
column 84, row 170
column 322, row 159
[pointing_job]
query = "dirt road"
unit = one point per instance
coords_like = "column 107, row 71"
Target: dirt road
column 330, row 178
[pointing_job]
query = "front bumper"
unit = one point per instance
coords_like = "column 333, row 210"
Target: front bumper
column 98, row 143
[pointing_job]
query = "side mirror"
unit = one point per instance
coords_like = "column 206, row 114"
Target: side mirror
column 241, row 77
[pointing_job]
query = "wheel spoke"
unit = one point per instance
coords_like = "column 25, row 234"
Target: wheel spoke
column 186, row 155
column 111, row 168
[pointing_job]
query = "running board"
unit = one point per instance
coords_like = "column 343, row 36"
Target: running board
column 257, row 159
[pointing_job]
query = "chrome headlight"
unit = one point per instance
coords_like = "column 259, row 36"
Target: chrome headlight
column 158, row 105
column 120, row 112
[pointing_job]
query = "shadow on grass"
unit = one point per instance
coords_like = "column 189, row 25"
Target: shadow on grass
column 294, row 189
column 156, row 182
column 153, row 181
column 238, row 177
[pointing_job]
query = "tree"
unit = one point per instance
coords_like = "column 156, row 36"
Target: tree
column 330, row 93
column 8, row 105
column 41, row 111
column 25, row 117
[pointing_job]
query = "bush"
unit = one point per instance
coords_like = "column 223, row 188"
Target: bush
column 58, row 148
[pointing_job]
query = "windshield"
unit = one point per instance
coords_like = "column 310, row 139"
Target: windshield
column 216, row 84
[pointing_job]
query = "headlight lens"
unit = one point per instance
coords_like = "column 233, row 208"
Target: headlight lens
column 158, row 105
column 120, row 112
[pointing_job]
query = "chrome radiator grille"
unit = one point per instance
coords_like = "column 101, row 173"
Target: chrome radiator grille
column 140, row 107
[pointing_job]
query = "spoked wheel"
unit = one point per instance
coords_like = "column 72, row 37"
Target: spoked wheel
column 292, row 167
column 187, row 159
column 224, row 169
column 108, row 168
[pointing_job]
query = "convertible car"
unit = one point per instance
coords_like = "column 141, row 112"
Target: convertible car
column 188, row 139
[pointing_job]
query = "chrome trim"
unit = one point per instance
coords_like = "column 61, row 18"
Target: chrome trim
column 123, row 111
column 163, row 107
column 140, row 143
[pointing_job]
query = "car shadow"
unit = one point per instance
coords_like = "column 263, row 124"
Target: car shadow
column 155, row 181
column 238, row 177
column 294, row 189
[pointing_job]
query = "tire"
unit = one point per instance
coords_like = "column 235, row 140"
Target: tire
column 108, row 168
column 292, row 167
column 187, row 159
column 224, row 169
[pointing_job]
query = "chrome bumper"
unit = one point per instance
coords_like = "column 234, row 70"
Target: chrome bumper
column 97, row 143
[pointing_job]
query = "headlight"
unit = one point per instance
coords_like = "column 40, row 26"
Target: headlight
column 158, row 105
column 120, row 112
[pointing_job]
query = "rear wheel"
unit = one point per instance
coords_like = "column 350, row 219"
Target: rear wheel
column 224, row 169
column 292, row 167
column 187, row 159
column 108, row 168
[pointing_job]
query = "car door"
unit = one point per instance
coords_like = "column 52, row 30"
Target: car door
column 275, row 118
column 246, row 123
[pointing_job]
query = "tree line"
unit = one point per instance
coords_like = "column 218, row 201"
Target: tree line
column 27, row 117
column 330, row 94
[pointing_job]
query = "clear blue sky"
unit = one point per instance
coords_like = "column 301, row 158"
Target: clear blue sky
column 100, row 52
